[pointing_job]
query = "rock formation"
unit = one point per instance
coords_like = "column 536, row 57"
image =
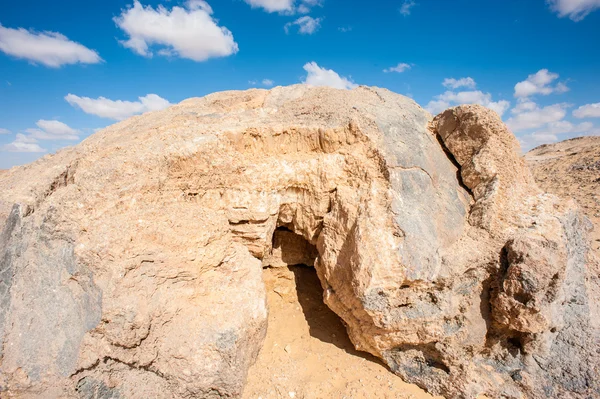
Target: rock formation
column 131, row 263
column 571, row 168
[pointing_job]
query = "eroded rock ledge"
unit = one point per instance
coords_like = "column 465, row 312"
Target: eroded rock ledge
column 131, row 263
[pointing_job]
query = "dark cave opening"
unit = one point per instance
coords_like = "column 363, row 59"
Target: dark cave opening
column 295, row 254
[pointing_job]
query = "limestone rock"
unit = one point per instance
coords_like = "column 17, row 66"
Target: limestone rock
column 571, row 168
column 131, row 263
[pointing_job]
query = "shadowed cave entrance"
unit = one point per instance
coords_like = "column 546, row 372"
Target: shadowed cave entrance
column 289, row 273
column 307, row 350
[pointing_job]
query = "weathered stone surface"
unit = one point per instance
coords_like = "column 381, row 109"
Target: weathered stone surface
column 543, row 290
column 571, row 168
column 434, row 246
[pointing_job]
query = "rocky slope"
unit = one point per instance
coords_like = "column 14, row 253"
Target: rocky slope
column 132, row 263
column 571, row 169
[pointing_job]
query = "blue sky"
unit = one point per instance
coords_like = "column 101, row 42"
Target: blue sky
column 70, row 67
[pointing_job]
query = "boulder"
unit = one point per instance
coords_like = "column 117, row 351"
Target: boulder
column 131, row 264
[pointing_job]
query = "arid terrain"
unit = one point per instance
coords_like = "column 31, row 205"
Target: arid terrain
column 307, row 353
column 571, row 168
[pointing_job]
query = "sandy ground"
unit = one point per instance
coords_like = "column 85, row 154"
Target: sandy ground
column 307, row 352
column 571, row 168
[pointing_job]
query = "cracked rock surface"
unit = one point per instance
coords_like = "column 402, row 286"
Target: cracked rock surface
column 131, row 264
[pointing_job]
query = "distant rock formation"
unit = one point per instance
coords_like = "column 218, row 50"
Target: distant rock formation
column 571, row 168
column 131, row 263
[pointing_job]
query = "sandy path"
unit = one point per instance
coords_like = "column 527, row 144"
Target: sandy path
column 307, row 353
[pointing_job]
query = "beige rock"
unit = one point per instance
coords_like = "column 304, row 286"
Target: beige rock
column 571, row 169
column 133, row 260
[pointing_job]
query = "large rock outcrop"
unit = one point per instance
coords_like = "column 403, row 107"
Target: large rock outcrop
column 131, row 263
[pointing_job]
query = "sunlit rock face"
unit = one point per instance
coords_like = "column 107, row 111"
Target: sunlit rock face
column 131, row 264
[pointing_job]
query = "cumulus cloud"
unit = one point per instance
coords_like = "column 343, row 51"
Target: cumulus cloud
column 539, row 83
column 406, row 7
column 306, row 25
column 565, row 127
column 317, row 76
column 23, row 143
column 188, row 32
column 588, row 111
column 524, row 105
column 48, row 48
column 4, row 131
column 285, row 6
column 551, row 132
column 452, row 83
column 401, row 67
column 576, row 10
column 532, row 116
column 264, row 82
column 117, row 109
column 305, row 6
column 46, row 130
column 543, row 125
column 53, row 130
column 451, row 99
column 272, row 5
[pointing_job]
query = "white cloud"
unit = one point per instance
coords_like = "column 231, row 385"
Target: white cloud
column 188, row 32
column 452, row 83
column 544, row 124
column 317, row 76
column 285, row 6
column 46, row 130
column 4, row 131
column 56, row 127
column 345, row 29
column 539, row 83
column 524, row 105
column 48, row 48
column 406, row 7
column 306, row 25
column 451, row 99
column 264, row 82
column 53, row 130
column 117, row 109
column 576, row 10
column 534, row 117
column 565, row 127
column 23, row 143
column 587, row 111
column 272, row 5
column 550, row 133
column 532, row 140
column 306, row 5
column 401, row 67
